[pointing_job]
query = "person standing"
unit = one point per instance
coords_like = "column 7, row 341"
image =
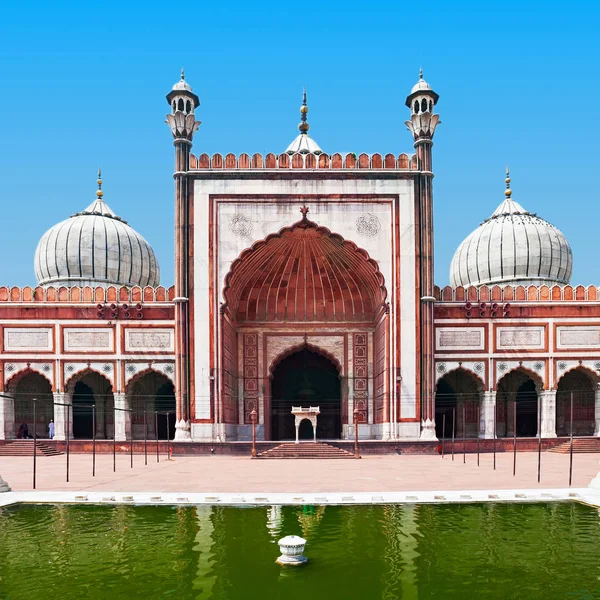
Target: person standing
column 51, row 429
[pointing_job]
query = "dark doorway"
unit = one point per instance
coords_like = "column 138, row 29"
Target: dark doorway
column 527, row 410
column 445, row 404
column 83, row 399
column 165, row 402
column 308, row 379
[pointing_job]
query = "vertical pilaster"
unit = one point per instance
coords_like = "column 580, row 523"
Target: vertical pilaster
column 548, row 413
column 182, row 324
column 425, row 200
column 7, row 416
column 487, row 415
column 597, row 410
column 62, row 414
column 511, row 407
column 122, row 418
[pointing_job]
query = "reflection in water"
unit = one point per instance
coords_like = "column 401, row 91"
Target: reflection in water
column 205, row 576
column 454, row 552
column 274, row 521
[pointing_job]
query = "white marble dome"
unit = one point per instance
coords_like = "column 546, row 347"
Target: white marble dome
column 97, row 248
column 512, row 247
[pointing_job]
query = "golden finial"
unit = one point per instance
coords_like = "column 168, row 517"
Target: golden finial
column 304, row 126
column 99, row 193
column 508, row 191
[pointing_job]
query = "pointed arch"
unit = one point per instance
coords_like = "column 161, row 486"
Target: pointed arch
column 308, row 346
column 14, row 380
column 524, row 372
column 517, row 403
column 576, row 391
column 76, row 377
column 304, row 272
column 457, row 402
column 131, row 382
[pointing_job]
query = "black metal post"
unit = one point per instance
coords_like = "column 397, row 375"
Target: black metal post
column 145, row 440
column 156, row 432
column 479, row 432
column 571, row 446
column 34, row 441
column 539, row 438
column 130, row 442
column 69, row 408
column 515, row 438
column 464, row 428
column 114, row 440
column 453, row 429
column 495, row 425
column 93, row 440
column 443, row 432
column 168, row 440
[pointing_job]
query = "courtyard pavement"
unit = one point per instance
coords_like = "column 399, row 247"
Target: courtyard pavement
column 224, row 474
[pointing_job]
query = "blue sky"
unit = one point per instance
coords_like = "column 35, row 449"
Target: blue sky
column 83, row 84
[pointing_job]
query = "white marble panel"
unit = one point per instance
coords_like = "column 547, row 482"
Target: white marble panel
column 510, row 338
column 27, row 338
column 140, row 339
column 459, row 338
column 578, row 336
column 88, row 338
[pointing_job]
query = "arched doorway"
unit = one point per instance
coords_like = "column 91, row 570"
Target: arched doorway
column 517, row 403
column 91, row 390
column 456, row 392
column 306, row 378
column 303, row 277
column 152, row 392
column 580, row 384
column 26, row 386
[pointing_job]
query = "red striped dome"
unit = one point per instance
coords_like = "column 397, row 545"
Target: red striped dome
column 304, row 273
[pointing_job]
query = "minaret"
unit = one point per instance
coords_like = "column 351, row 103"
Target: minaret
column 422, row 124
column 183, row 124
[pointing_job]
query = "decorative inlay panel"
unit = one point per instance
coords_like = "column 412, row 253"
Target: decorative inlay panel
column 88, row 339
column 250, row 376
column 520, row 337
column 142, row 339
column 459, row 338
column 368, row 225
column 578, row 336
column 360, row 351
column 241, row 226
column 23, row 338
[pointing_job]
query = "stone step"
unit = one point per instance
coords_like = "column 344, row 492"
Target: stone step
column 25, row 448
column 311, row 450
column 580, row 446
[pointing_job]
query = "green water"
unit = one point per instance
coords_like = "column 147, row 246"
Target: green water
column 368, row 552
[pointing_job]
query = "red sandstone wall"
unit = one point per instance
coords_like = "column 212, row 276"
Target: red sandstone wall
column 229, row 376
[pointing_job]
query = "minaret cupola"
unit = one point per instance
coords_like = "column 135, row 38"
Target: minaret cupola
column 183, row 101
column 421, row 102
column 182, row 98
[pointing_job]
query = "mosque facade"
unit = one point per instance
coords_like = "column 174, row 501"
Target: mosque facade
column 302, row 278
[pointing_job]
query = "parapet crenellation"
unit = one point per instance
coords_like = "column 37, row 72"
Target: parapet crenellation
column 520, row 293
column 87, row 294
column 402, row 162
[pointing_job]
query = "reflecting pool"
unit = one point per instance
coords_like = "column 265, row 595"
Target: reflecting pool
column 412, row 551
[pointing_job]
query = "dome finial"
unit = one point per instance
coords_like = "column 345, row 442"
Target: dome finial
column 303, row 127
column 99, row 193
column 182, row 74
column 420, row 72
column 508, row 191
